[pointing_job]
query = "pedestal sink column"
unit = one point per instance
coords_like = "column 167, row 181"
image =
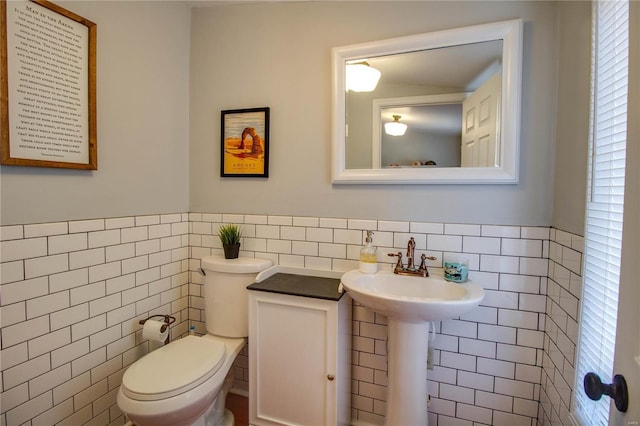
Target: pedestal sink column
column 407, row 373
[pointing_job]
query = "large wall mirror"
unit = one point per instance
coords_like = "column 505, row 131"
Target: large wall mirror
column 454, row 94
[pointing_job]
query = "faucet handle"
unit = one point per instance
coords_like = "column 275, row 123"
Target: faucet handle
column 399, row 256
column 423, row 265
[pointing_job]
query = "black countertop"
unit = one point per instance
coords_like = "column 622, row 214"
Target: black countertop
column 300, row 285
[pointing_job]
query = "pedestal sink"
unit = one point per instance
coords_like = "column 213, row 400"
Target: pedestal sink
column 410, row 303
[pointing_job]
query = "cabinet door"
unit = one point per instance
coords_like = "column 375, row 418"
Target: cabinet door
column 290, row 339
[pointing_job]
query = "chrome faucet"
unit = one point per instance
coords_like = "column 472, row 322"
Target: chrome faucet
column 410, row 269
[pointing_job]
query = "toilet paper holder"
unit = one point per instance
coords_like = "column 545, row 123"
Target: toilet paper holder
column 168, row 320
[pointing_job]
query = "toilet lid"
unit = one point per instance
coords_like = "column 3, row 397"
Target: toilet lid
column 173, row 369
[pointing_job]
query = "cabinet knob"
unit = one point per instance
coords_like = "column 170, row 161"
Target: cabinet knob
column 331, row 377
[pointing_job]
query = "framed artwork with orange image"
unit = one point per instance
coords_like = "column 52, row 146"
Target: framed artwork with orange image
column 245, row 143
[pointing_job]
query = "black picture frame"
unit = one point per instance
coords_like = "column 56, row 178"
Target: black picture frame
column 238, row 158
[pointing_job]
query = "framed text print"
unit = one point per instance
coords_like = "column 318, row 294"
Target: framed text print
column 48, row 89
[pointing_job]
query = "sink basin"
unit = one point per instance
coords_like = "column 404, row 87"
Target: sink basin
column 411, row 298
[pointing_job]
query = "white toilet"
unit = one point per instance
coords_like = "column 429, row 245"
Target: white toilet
column 186, row 382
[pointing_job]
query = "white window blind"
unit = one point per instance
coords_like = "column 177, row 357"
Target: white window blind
column 605, row 202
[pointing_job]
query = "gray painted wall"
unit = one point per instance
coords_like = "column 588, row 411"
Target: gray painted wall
column 572, row 134
column 278, row 55
column 143, row 116
column 159, row 114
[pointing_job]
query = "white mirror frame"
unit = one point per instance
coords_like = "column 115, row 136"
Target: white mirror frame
column 510, row 32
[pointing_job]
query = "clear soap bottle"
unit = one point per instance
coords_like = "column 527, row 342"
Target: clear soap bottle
column 368, row 257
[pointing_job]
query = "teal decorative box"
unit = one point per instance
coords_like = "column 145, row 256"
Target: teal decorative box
column 456, row 272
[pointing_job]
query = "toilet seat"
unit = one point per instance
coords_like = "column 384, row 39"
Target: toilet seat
column 173, row 369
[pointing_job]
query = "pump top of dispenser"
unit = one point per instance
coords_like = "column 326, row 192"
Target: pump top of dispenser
column 369, row 237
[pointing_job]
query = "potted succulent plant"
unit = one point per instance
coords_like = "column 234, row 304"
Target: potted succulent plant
column 230, row 235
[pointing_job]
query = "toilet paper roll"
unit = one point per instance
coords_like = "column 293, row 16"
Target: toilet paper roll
column 152, row 330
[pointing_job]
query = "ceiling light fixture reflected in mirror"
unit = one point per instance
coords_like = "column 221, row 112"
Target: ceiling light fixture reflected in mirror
column 361, row 77
column 395, row 127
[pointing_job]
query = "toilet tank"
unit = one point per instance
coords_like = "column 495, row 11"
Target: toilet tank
column 226, row 298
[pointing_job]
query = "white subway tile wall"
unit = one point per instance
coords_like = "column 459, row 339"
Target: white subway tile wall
column 487, row 364
column 564, row 289
column 72, row 294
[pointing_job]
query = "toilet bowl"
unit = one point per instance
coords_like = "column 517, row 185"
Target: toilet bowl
column 185, row 383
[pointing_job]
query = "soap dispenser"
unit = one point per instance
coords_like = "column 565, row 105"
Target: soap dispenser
column 368, row 257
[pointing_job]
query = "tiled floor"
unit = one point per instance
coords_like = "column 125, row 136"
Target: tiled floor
column 239, row 406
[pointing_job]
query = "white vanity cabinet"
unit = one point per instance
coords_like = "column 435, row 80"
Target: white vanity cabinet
column 299, row 356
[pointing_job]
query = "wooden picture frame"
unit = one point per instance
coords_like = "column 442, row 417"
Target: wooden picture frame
column 48, row 87
column 244, row 144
